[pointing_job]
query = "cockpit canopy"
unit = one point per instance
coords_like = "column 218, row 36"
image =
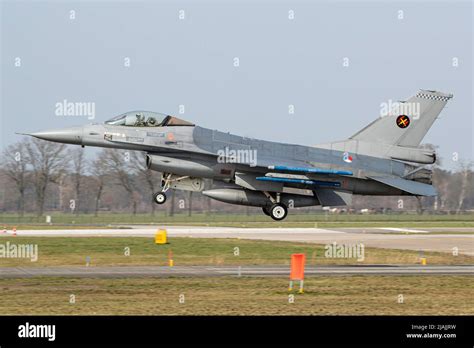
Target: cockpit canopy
column 147, row 119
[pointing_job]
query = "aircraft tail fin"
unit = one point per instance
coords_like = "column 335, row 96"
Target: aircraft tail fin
column 408, row 122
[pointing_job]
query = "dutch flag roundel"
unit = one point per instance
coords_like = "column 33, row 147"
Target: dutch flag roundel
column 347, row 158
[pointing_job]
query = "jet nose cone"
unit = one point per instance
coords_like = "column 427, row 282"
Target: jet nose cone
column 71, row 135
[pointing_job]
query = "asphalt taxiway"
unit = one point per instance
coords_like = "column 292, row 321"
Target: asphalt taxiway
column 238, row 271
column 423, row 239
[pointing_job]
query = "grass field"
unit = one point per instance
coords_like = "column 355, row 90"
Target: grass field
column 333, row 295
column 107, row 251
column 241, row 220
column 374, row 294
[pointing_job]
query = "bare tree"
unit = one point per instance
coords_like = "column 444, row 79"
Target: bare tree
column 49, row 161
column 419, row 204
column 119, row 166
column 208, row 200
column 99, row 172
column 150, row 177
column 78, row 166
column 190, row 204
column 15, row 161
column 171, row 211
column 465, row 171
column 441, row 180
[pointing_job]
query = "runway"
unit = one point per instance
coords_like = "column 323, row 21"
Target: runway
column 419, row 239
column 237, row 271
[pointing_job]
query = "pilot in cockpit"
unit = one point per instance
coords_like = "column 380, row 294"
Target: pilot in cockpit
column 146, row 119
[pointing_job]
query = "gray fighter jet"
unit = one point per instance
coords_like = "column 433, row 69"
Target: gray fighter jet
column 384, row 158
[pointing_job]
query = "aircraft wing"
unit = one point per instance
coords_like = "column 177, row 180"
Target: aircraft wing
column 413, row 187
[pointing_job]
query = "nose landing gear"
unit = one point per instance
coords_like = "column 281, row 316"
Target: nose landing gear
column 159, row 197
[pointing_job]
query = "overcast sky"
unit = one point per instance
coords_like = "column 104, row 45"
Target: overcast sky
column 140, row 55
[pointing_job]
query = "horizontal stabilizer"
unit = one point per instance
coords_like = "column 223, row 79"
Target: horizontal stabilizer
column 413, row 187
column 309, row 170
column 332, row 198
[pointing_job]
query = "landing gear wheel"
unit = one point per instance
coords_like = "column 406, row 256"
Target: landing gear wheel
column 278, row 211
column 159, row 198
column 265, row 211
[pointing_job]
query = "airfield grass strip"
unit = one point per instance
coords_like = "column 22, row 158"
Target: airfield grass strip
column 333, row 295
column 111, row 251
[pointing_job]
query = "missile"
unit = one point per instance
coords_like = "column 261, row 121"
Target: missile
column 258, row 198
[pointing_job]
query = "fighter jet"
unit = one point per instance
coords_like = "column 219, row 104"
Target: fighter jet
column 384, row 158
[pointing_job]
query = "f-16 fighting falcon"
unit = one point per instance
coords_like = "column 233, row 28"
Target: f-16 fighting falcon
column 384, row 158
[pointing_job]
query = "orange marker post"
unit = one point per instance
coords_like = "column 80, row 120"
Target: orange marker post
column 170, row 258
column 14, row 230
column 297, row 270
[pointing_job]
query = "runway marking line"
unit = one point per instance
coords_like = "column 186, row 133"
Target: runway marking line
column 409, row 230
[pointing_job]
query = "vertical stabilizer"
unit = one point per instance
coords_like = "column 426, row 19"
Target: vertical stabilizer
column 408, row 123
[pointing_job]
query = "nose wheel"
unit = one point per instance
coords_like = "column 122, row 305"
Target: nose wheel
column 159, row 198
column 278, row 211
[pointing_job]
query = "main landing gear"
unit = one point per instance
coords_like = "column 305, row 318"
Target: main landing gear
column 277, row 211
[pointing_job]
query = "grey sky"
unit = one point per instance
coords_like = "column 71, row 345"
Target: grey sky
column 282, row 62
